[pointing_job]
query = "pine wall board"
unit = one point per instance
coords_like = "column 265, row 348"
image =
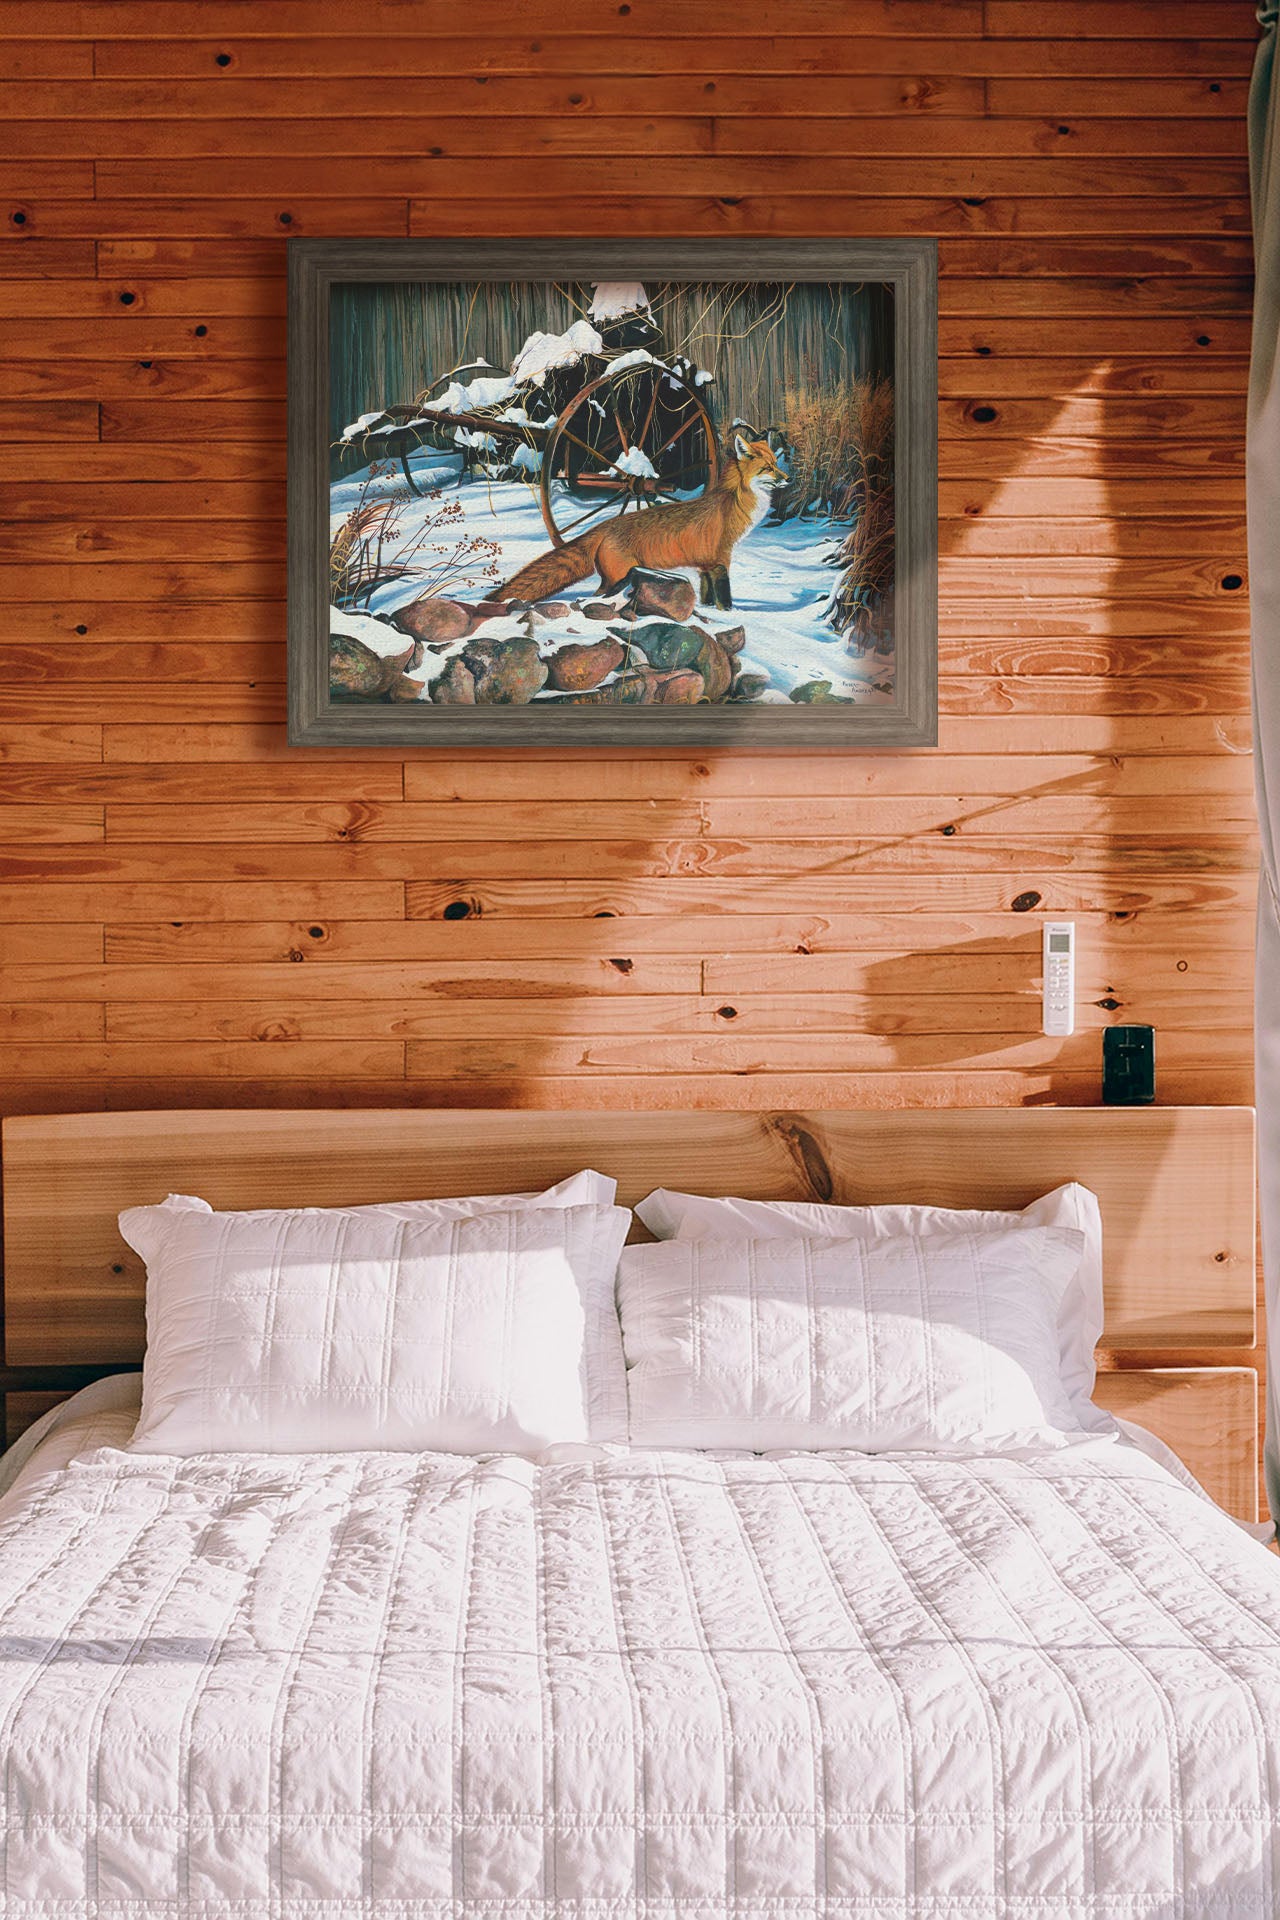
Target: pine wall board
column 193, row 914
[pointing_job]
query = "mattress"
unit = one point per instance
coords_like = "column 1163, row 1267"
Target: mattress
column 669, row 1685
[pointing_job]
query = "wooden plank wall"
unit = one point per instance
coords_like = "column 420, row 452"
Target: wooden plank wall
column 190, row 913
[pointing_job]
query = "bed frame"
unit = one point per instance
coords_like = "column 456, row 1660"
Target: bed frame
column 1180, row 1352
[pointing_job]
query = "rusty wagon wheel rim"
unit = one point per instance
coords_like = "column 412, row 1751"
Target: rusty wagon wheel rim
column 605, row 488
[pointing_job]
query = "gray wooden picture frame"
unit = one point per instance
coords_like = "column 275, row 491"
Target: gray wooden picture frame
column 315, row 266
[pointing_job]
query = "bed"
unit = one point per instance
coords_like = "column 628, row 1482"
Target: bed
column 649, row 1683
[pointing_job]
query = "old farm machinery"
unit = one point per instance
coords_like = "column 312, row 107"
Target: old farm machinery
column 596, row 417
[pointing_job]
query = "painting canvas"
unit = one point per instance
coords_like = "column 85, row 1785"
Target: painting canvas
column 606, row 506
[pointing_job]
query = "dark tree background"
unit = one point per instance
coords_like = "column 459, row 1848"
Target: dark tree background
column 390, row 344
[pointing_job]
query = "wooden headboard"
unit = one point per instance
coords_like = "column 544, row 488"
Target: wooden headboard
column 1176, row 1186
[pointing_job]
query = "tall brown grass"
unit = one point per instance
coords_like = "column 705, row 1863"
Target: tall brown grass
column 366, row 551
column 863, row 601
column 356, row 565
column 840, row 439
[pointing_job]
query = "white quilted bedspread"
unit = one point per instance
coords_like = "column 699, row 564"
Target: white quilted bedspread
column 669, row 1686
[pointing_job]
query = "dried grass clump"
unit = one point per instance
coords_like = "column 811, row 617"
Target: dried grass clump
column 841, row 465
column 840, row 440
column 861, row 604
column 367, row 551
column 356, row 560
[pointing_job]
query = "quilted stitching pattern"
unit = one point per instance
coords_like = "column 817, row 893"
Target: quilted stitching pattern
column 301, row 1331
column 657, row 1685
column 694, row 1216
column 908, row 1341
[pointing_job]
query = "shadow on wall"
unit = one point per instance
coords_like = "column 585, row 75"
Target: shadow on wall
column 1070, row 608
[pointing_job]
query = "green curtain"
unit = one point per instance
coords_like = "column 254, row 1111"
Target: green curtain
column 1263, row 469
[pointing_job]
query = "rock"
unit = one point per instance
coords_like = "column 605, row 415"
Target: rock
column 667, row 647
column 732, row 639
column 683, row 688
column 357, row 672
column 507, row 673
column 817, row 693
column 664, row 644
column 748, row 686
column 554, row 610
column 406, row 689
column 434, row 619
column 455, row 687
column 638, row 688
column 669, row 594
column 577, row 667
column 611, row 609
column 716, row 668
column 482, row 610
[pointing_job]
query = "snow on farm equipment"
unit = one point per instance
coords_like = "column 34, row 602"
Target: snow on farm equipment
column 600, row 420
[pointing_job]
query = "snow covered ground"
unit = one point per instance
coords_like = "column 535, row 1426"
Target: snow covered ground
column 780, row 586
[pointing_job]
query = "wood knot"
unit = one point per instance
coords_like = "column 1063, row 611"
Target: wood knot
column 273, row 1029
column 806, row 1153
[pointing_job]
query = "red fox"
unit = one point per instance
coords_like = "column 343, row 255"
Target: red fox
column 698, row 533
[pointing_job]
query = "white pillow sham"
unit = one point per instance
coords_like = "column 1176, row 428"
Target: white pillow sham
column 584, row 1189
column 945, row 1342
column 325, row 1330
column 686, row 1216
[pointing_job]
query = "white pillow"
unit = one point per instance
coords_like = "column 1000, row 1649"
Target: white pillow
column 940, row 1341
column 687, row 1216
column 578, row 1190
column 322, row 1330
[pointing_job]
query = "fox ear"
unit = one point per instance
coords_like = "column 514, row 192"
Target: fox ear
column 741, row 446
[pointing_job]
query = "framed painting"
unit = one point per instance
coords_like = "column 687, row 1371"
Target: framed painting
column 590, row 493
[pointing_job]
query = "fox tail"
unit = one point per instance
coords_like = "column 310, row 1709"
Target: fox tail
column 551, row 572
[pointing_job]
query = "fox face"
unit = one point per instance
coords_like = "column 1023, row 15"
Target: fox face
column 757, row 472
column 757, row 461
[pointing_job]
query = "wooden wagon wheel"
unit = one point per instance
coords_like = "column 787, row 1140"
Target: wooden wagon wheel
column 626, row 440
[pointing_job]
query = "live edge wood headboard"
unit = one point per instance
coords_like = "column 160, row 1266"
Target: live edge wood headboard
column 1176, row 1186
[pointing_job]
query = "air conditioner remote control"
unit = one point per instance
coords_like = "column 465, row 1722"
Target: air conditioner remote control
column 1059, row 977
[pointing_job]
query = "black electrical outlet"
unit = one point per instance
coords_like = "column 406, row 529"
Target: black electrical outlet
column 1128, row 1066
